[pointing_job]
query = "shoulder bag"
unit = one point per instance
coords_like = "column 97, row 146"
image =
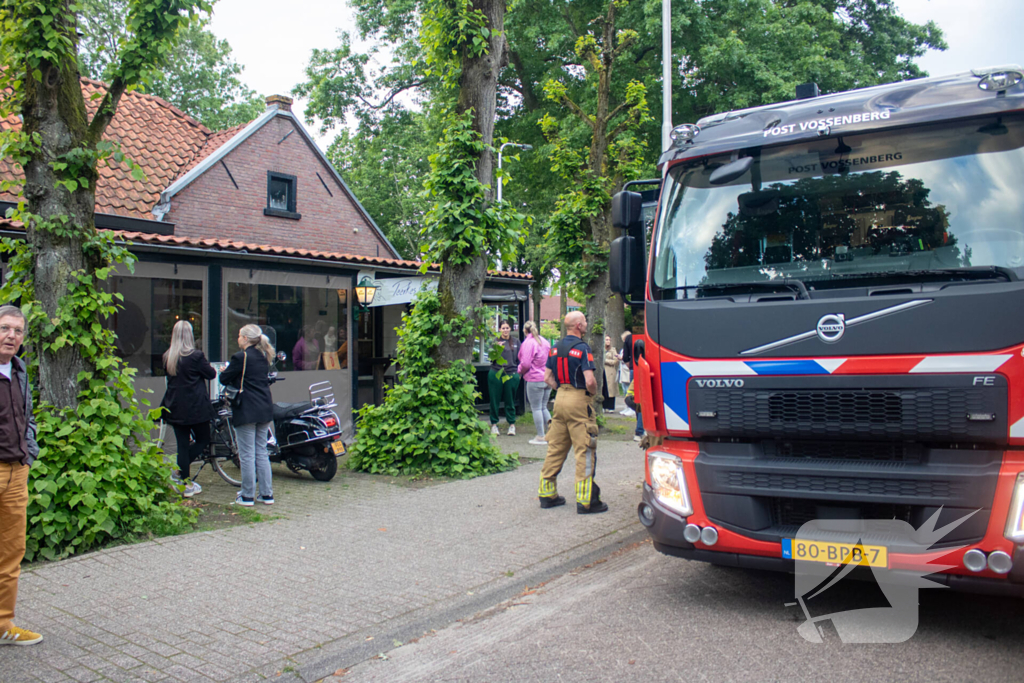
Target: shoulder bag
column 234, row 395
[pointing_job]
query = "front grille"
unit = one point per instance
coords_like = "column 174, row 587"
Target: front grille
column 871, row 407
column 869, row 451
column 809, row 484
column 927, row 408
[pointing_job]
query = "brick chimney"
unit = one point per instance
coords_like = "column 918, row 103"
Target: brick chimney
column 283, row 102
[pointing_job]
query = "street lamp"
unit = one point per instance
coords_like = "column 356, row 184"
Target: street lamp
column 525, row 148
column 365, row 291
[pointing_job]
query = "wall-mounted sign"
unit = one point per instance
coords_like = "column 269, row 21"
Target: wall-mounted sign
column 401, row 290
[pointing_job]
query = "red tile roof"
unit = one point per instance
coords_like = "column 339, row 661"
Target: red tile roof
column 270, row 250
column 164, row 141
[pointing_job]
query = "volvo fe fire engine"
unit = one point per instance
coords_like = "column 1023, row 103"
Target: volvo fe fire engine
column 834, row 311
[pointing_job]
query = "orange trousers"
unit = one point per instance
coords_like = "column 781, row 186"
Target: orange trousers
column 13, row 506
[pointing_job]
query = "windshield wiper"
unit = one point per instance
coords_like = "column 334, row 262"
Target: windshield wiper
column 971, row 273
column 795, row 286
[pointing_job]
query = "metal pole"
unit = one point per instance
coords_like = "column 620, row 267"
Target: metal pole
column 666, row 75
column 500, row 150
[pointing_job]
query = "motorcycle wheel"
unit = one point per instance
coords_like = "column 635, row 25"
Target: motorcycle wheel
column 326, row 466
column 233, row 474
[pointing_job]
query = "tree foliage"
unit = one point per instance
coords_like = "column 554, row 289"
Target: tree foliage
column 385, row 163
column 201, row 79
column 99, row 475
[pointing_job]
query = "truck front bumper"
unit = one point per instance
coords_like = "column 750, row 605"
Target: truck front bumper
column 666, row 530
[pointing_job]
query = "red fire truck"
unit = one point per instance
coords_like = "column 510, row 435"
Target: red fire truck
column 834, row 308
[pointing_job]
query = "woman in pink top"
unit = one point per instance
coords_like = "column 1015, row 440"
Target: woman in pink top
column 533, row 357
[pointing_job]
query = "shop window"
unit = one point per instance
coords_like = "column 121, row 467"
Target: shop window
column 308, row 323
column 281, row 196
column 149, row 310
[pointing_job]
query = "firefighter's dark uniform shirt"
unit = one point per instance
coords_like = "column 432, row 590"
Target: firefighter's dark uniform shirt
column 580, row 359
column 13, row 424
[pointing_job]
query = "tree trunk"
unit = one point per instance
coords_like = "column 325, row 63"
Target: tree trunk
column 563, row 306
column 538, row 296
column 461, row 286
column 54, row 109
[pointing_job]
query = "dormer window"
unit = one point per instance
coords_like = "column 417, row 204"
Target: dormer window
column 281, row 191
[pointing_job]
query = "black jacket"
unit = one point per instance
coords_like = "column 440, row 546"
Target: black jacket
column 187, row 399
column 627, row 351
column 256, row 405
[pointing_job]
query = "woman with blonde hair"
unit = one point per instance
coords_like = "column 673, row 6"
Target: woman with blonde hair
column 253, row 412
column 186, row 401
column 533, row 356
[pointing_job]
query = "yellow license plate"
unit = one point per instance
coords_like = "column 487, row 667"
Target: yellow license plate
column 338, row 447
column 835, row 553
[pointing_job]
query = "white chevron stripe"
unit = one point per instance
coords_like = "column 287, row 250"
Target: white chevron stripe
column 704, row 368
column 978, row 363
column 830, row 364
column 1017, row 429
column 673, row 421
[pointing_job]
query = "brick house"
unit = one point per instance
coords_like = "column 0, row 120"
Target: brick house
column 249, row 225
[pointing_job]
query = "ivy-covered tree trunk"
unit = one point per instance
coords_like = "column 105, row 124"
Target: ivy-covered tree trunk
column 53, row 108
column 461, row 284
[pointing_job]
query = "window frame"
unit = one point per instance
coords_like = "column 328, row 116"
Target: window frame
column 293, row 184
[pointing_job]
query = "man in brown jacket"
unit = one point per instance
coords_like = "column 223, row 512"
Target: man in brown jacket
column 18, row 449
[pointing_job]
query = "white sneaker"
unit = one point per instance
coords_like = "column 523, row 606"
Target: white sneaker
column 192, row 489
column 537, row 441
column 511, row 430
column 637, row 437
column 628, row 412
column 494, row 430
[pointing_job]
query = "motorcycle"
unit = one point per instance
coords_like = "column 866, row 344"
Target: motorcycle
column 307, row 435
column 304, row 435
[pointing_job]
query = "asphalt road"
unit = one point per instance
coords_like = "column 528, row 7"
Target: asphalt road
column 639, row 615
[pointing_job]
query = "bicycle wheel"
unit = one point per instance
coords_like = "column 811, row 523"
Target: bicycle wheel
column 228, row 470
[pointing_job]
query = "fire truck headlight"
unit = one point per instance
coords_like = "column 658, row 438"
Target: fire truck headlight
column 669, row 482
column 1015, row 518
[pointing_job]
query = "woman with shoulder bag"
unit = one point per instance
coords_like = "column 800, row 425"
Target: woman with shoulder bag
column 186, row 403
column 252, row 412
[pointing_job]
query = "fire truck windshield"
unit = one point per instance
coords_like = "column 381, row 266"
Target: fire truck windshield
column 931, row 198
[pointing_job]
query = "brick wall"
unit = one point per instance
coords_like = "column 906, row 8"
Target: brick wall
column 211, row 207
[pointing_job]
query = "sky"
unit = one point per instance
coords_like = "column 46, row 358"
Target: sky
column 273, row 40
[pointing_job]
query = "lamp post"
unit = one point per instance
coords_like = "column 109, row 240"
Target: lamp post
column 525, row 148
column 666, row 75
column 365, row 291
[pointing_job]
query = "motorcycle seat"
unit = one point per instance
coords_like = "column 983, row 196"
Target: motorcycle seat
column 285, row 410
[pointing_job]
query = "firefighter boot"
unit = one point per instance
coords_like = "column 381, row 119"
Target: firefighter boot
column 596, row 505
column 552, row 502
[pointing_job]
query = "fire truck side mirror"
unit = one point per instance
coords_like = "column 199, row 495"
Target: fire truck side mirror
column 621, row 273
column 626, row 209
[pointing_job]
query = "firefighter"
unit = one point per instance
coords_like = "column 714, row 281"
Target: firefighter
column 570, row 370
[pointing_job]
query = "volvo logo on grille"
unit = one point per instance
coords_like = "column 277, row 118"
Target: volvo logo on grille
column 719, row 383
column 831, row 327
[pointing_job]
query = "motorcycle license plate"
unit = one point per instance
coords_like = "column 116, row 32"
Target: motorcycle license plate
column 338, row 447
column 835, row 553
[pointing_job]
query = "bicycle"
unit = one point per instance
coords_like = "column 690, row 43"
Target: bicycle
column 221, row 451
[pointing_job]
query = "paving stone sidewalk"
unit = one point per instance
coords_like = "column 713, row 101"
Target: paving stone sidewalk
column 349, row 569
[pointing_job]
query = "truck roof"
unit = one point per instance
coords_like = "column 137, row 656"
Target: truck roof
column 970, row 93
